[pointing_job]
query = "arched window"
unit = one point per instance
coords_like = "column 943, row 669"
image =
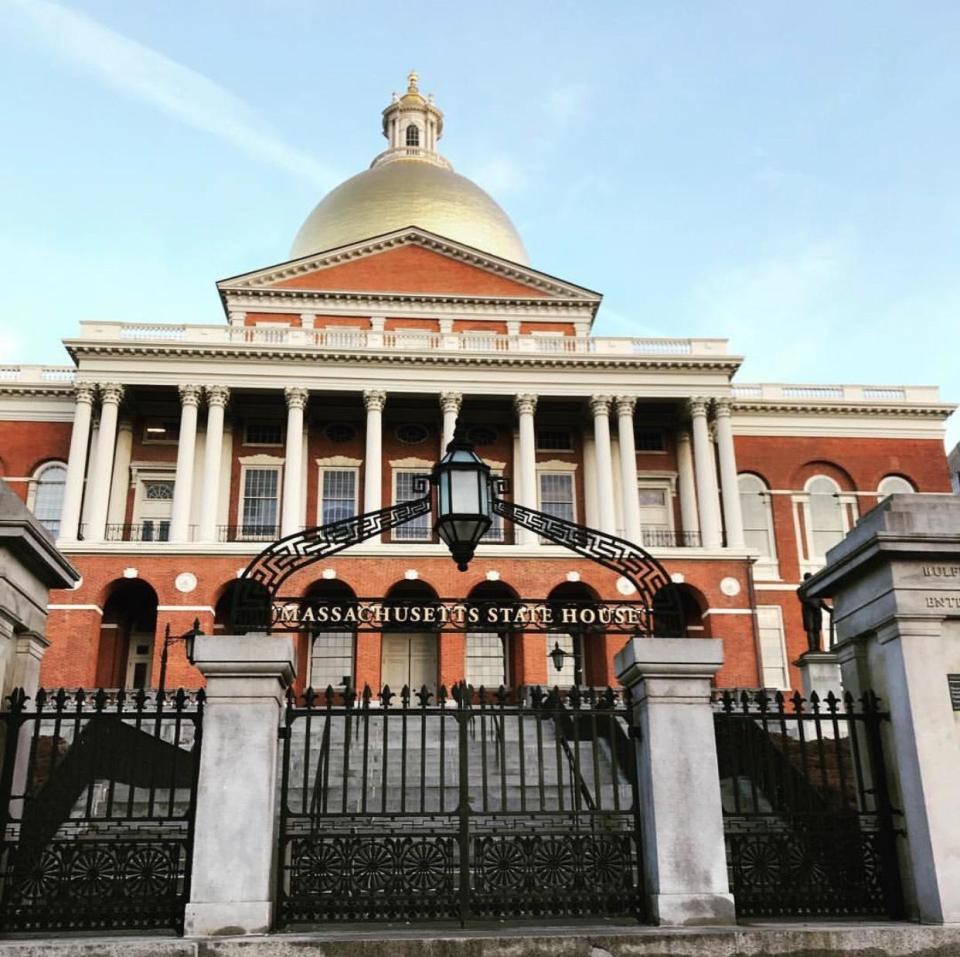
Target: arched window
column 48, row 495
column 757, row 516
column 413, row 135
column 332, row 652
column 894, row 484
column 827, row 523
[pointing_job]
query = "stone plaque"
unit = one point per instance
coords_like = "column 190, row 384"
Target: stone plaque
column 953, row 683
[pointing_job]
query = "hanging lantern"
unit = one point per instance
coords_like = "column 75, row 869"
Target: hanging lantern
column 463, row 499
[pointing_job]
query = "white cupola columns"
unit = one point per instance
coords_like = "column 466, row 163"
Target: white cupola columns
column 729, row 488
column 186, row 448
column 706, row 475
column 291, row 516
column 217, row 398
column 77, row 461
column 450, row 403
column 525, row 477
column 373, row 401
column 600, row 408
column 111, row 394
column 628, row 468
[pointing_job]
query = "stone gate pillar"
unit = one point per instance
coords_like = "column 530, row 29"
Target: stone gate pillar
column 895, row 584
column 684, row 858
column 235, row 835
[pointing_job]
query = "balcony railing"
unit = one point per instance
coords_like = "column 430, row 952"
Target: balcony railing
column 148, row 531
column 669, row 538
column 248, row 533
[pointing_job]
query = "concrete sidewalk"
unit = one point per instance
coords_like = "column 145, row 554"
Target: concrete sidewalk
column 785, row 940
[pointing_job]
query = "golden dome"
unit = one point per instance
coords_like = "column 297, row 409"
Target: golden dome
column 409, row 192
column 410, row 184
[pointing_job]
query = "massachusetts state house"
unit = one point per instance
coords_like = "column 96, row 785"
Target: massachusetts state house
column 162, row 458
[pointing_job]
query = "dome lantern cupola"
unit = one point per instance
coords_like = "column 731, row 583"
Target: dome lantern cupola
column 412, row 124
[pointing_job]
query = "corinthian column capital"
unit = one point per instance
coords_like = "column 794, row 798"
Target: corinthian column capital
column 697, row 406
column 451, row 401
column 525, row 404
column 190, row 394
column 600, row 404
column 85, row 392
column 296, row 396
column 722, row 407
column 111, row 393
column 626, row 404
column 374, row 400
column 217, row 396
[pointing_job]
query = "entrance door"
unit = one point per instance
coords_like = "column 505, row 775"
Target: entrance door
column 409, row 660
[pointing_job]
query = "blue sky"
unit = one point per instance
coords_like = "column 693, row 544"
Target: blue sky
column 782, row 174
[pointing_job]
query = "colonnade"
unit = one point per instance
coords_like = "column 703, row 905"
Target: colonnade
column 700, row 488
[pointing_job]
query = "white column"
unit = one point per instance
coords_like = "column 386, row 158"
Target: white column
column 628, row 468
column 235, row 843
column 291, row 519
column 217, row 398
column 450, row 403
column 600, row 408
column 110, row 397
column 729, row 487
column 120, row 481
column 689, row 520
column 186, row 446
column 706, row 476
column 77, row 461
column 526, row 494
column 681, row 822
column 590, row 505
column 373, row 401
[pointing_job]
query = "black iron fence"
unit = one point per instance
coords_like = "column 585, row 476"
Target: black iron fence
column 97, row 796
column 808, row 821
column 470, row 806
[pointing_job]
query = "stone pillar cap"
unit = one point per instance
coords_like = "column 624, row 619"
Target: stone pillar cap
column 667, row 657
column 246, row 656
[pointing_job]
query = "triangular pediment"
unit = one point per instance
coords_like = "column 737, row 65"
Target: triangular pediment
column 408, row 262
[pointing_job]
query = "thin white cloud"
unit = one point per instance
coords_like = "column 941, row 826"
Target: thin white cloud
column 565, row 104
column 138, row 71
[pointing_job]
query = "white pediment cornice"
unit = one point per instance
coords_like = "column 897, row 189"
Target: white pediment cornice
column 413, row 235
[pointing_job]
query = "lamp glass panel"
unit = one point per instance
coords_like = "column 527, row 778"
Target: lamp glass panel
column 465, row 493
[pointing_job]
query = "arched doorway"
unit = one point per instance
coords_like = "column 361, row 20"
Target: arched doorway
column 330, row 655
column 409, row 651
column 129, row 625
column 576, row 650
column 254, row 611
column 489, row 654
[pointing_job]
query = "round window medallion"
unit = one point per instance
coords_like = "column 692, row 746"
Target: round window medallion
column 412, row 434
column 340, row 432
column 730, row 587
column 482, row 435
column 185, row 582
column 625, row 586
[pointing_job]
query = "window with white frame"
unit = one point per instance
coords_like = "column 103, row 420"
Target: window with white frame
column 773, row 653
column 331, row 660
column 894, row 485
column 338, row 494
column 656, row 511
column 154, row 507
column 406, row 488
column 47, row 498
column 557, row 494
column 260, row 505
column 757, row 515
column 826, row 513
column 486, row 659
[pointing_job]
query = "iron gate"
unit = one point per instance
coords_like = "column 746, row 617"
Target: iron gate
column 97, row 795
column 807, row 816
column 471, row 806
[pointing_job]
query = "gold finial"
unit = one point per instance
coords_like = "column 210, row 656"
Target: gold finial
column 412, row 81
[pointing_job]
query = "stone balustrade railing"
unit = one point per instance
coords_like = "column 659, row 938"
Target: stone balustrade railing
column 779, row 392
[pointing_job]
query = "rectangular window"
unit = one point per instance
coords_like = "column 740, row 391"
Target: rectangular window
column 773, row 654
column 650, row 440
column 554, row 440
column 331, row 660
column 161, row 432
column 405, row 490
column 338, row 495
column 261, row 489
column 263, row 433
column 486, row 659
column 556, row 494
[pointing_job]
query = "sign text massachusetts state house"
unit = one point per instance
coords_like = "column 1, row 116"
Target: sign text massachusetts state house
column 162, row 458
